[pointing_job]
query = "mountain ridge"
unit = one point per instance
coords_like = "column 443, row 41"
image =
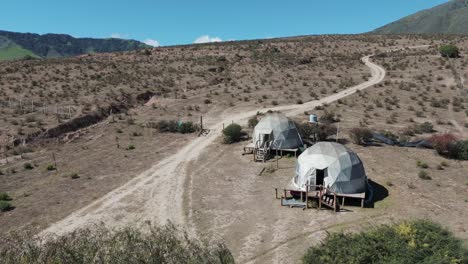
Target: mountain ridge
column 14, row 45
column 447, row 18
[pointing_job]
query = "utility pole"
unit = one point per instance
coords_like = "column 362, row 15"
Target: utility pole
column 55, row 161
column 337, row 131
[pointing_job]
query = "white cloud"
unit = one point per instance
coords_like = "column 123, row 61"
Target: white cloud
column 207, row 39
column 152, row 42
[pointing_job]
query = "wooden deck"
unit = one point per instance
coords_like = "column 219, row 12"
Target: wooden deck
column 323, row 195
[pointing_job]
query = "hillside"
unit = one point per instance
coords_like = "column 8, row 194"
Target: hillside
column 91, row 138
column 448, row 18
column 19, row 45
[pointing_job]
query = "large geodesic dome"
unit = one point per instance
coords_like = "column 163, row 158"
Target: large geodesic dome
column 283, row 131
column 331, row 165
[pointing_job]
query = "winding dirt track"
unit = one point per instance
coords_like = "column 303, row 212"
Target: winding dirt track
column 156, row 195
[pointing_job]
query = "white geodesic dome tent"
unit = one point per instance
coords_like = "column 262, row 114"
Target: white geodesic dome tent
column 331, row 165
column 282, row 130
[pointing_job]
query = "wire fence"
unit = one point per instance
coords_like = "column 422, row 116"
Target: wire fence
column 26, row 106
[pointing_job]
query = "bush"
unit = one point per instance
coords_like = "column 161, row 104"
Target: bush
column 4, row 196
column 322, row 131
column 422, row 164
column 407, row 242
column 28, row 166
column 459, row 150
column 5, row 206
column 328, row 118
column 360, row 136
column 172, row 126
column 449, row 51
column 425, row 127
column 424, row 175
column 232, row 133
column 102, row 245
column 442, row 142
column 51, row 167
column 253, row 121
column 165, row 126
column 74, row 176
column 131, row 147
column 186, row 128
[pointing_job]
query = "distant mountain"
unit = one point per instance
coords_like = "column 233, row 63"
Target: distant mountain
column 448, row 18
column 19, row 45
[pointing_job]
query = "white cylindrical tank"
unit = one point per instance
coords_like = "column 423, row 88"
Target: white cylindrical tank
column 313, row 119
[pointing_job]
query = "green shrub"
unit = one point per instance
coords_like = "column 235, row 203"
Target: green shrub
column 449, row 51
column 360, row 135
column 167, row 126
column 102, row 245
column 4, row 196
column 459, row 150
column 74, row 176
column 425, row 127
column 328, row 118
column 422, row 164
column 51, row 167
column 232, row 133
column 407, row 242
column 172, row 126
column 28, row 166
column 186, row 128
column 424, row 175
column 4, row 206
column 253, row 121
column 321, row 131
column 131, row 147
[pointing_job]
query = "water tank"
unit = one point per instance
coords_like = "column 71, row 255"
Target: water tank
column 313, row 119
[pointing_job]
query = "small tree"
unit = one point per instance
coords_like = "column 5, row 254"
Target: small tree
column 458, row 150
column 4, row 196
column 442, row 142
column 324, row 131
column 360, row 136
column 186, row 128
column 449, row 51
column 5, row 206
column 321, row 131
column 253, row 121
column 232, row 133
column 328, row 118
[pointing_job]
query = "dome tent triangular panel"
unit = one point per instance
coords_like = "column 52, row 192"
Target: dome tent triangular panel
column 345, row 171
column 284, row 134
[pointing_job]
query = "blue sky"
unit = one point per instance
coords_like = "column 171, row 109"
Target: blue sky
column 173, row 22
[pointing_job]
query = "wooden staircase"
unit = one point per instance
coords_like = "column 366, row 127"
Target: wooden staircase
column 330, row 201
column 262, row 151
column 327, row 197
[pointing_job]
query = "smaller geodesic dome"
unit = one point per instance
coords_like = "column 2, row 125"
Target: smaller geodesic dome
column 331, row 165
column 280, row 130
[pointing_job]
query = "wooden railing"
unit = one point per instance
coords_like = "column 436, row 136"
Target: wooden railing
column 324, row 191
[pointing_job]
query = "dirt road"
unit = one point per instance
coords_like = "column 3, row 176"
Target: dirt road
column 157, row 194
